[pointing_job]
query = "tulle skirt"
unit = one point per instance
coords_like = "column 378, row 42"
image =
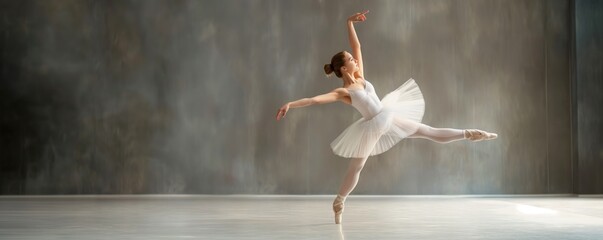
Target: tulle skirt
column 399, row 118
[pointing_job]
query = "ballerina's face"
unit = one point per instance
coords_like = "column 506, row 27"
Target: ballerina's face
column 350, row 64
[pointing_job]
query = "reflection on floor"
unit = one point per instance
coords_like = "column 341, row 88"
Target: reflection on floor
column 300, row 217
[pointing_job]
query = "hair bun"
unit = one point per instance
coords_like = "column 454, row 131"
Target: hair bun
column 328, row 69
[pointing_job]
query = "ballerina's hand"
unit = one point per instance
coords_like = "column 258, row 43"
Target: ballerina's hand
column 282, row 111
column 358, row 17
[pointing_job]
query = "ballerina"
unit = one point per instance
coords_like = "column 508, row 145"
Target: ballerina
column 384, row 122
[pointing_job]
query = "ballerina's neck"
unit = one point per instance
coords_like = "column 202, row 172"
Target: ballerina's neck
column 358, row 89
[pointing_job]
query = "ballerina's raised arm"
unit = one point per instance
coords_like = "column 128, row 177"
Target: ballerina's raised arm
column 354, row 42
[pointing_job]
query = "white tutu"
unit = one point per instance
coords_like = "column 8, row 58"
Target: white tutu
column 397, row 117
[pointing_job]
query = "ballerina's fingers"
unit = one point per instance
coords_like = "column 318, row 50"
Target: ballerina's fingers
column 362, row 15
column 280, row 114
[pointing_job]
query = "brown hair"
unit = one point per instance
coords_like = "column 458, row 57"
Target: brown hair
column 337, row 61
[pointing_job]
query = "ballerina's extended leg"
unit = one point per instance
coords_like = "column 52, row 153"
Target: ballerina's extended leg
column 447, row 135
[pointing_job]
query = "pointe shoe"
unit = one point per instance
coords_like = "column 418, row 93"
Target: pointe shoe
column 338, row 208
column 477, row 135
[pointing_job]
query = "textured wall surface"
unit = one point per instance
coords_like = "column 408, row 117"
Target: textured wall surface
column 589, row 84
column 180, row 96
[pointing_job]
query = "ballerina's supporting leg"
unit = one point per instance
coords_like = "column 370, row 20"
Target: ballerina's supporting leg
column 447, row 135
column 349, row 183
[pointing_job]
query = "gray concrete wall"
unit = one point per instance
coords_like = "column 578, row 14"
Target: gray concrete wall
column 180, row 96
column 588, row 97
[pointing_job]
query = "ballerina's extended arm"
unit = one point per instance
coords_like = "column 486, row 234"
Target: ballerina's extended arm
column 335, row 95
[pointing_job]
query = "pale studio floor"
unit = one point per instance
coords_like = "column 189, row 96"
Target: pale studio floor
column 300, row 217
